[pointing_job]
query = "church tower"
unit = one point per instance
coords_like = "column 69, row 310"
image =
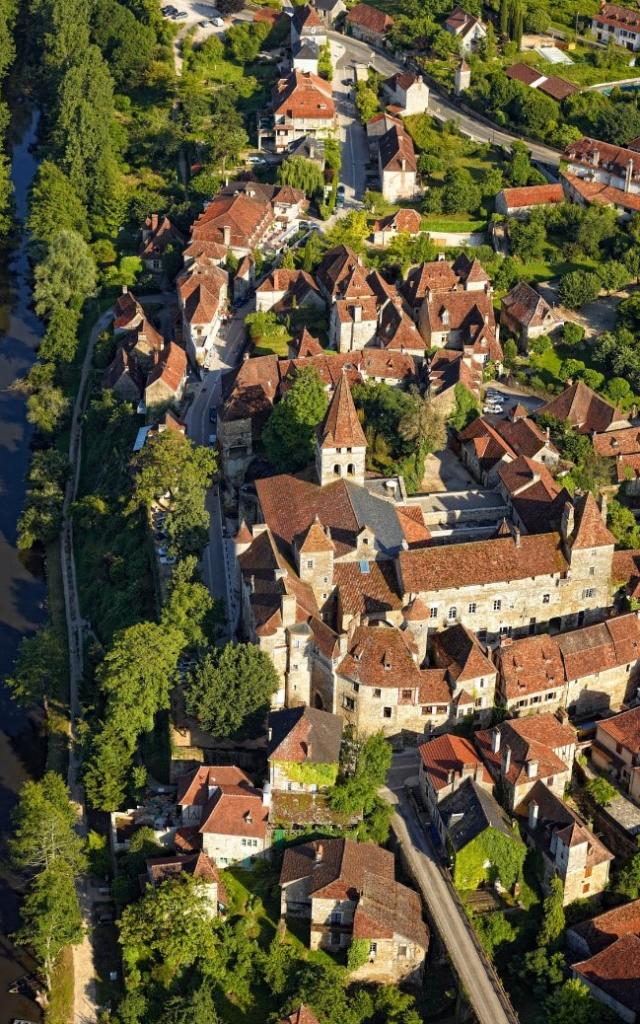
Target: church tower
column 341, row 447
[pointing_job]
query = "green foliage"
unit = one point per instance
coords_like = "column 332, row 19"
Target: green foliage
column 66, row 275
column 357, row 789
column 351, row 231
column 245, row 40
column 44, row 827
column 574, row 1004
column 503, row 854
column 622, row 523
column 230, row 687
column 553, row 921
column 126, row 43
column 60, row 342
column 493, row 930
column 266, row 331
column 98, row 854
column 357, row 954
column 601, row 790
column 289, row 436
column 366, row 100
column 459, row 193
column 577, row 288
column 325, row 65
column 41, row 519
column 628, row 881
column 301, row 173
column 466, row 409
column 54, row 205
column 393, row 422
column 51, row 916
column 321, row 775
column 41, row 664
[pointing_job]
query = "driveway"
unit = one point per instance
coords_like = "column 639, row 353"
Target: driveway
column 596, row 317
column 443, row 909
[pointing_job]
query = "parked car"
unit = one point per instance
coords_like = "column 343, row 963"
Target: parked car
column 204, row 23
column 213, row 439
column 180, row 16
column 167, row 560
column 339, row 200
column 256, row 160
column 213, row 414
column 218, row 22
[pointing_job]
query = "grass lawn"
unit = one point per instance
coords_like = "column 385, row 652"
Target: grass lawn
column 554, row 266
column 60, row 1008
column 450, row 222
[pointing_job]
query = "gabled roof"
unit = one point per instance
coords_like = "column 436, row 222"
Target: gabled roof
column 388, row 909
column 170, row 368
column 370, row 18
column 459, row 651
column 590, row 531
column 381, row 656
column 532, row 195
column 303, row 1015
column 449, row 753
column 526, row 306
column 341, row 427
column 306, row 17
column 198, row 865
column 303, row 95
column 605, row 929
column 614, row 971
column 308, row 345
column 469, row 811
column 304, row 735
column 316, row 539
column 193, row 788
column 235, row 811
column 529, row 739
column 365, row 593
column 624, row 728
column 557, row 819
column 583, row 408
column 396, row 151
column 460, row 22
column 335, row 867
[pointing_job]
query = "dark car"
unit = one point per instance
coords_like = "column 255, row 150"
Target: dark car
column 213, row 415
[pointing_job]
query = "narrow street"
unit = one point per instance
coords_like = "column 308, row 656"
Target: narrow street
column 443, row 910
column 355, row 151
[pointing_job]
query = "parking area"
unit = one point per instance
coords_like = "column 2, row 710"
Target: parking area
column 192, row 12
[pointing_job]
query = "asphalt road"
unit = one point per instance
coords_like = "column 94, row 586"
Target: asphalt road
column 355, row 150
column 439, row 105
column 444, row 911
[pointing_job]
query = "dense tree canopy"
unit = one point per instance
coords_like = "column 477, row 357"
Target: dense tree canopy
column 230, row 686
column 44, row 827
column 289, row 436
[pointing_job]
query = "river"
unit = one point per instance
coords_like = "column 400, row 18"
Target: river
column 21, row 593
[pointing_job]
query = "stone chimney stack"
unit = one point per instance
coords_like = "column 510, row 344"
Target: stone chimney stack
column 226, row 235
column 495, row 741
column 533, row 814
column 603, row 507
column 506, row 760
column 628, row 175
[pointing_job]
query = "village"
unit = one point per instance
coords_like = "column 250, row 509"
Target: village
column 373, row 414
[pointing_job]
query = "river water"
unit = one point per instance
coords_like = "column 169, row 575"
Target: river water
column 21, row 593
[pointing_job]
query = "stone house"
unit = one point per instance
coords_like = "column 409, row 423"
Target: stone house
column 616, row 750
column 526, row 315
column 589, row 192
column 353, row 323
column 305, row 58
column 302, row 105
column 307, row 26
column 397, row 165
column 304, row 749
column 452, row 302
column 523, row 751
column 166, row 380
column 196, row 865
column 597, row 933
column 519, row 202
column 601, row 162
column 244, row 279
column 158, row 235
column 569, row 849
column 611, row 979
column 342, row 446
column 476, row 833
column 617, row 24
column 388, row 228
column 283, row 290
column 408, row 92
column 329, row 10
column 622, row 447
column 468, row 30
column 585, row 410
column 585, row 671
column 369, row 23
column 221, row 804
column 446, row 762
column 203, row 289
column 486, row 446
column 536, row 501
column 470, row 673
column 513, row 584
column 346, row 890
column 124, row 377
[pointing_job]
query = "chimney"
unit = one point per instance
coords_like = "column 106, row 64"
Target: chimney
column 319, row 852
column 478, row 772
column 403, row 164
column 532, row 769
column 357, row 314
column 603, row 508
column 533, row 814
column 450, row 776
column 506, row 760
column 516, row 536
column 495, row 741
column 226, row 234
column 548, row 434
column 266, row 795
column 568, row 521
column 628, row 175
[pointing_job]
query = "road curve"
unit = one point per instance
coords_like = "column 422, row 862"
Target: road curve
column 441, row 107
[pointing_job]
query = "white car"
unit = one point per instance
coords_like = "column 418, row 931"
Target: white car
column 256, row 160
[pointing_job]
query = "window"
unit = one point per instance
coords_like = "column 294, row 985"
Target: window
column 592, row 570
column 373, row 948
column 348, row 703
column 335, row 917
column 497, row 605
column 472, row 608
column 424, row 710
column 453, row 613
column 356, row 687
column 546, row 598
column 550, row 696
column 481, row 683
column 402, row 952
column 585, row 887
column 334, row 939
column 587, row 593
column 310, row 563
column 387, row 712
column 364, row 566
column 407, row 694
column 433, row 612
column 479, row 703
column 377, row 694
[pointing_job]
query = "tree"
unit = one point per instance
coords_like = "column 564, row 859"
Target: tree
column 574, row 1004
column 189, row 609
column 67, row 274
column 510, row 353
column 504, row 15
column 41, row 665
column 493, row 929
column 289, row 436
column 44, row 827
column 350, row 231
column 288, row 261
column 466, row 408
column 628, row 881
column 613, row 276
column 230, row 686
column 366, row 101
column 126, row 43
column 51, row 916
column 301, row 173
column 423, row 425
column 578, row 287
column 54, row 205
column 489, row 45
column 167, row 933
column 170, row 462
column 572, row 334
column 460, row 193
column 325, row 66
column 601, row 791
column 528, row 239
column 618, row 390
column 553, row 920
column 46, row 408
column 196, row 1008
column 60, row 342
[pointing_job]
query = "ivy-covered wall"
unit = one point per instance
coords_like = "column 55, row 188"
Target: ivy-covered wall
column 309, row 774
column 504, row 856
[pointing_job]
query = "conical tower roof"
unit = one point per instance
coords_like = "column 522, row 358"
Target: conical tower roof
column 341, row 427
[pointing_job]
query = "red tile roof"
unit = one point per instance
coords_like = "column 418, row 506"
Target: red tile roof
column 302, row 95
column 341, row 427
column 595, row 153
column 235, row 811
column 523, row 73
column 602, row 194
column 624, row 728
column 585, row 410
column 590, row 531
column 170, row 368
column 335, row 867
column 526, row 306
column 617, row 442
column 381, row 656
column 447, row 753
column 193, row 788
column 619, row 17
column 387, row 909
column 396, row 151
column 532, row 195
column 370, row 18
column 614, row 971
column 529, row 739
column 303, row 1015
column 366, row 593
column 603, row 930
column 198, row 865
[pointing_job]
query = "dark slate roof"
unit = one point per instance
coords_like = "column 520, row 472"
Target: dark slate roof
column 323, row 734
column 479, row 811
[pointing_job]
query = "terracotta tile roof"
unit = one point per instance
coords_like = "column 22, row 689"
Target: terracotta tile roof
column 304, row 735
column 434, row 688
column 460, row 22
column 408, row 221
column 396, row 151
column 625, row 568
column 583, row 408
column 244, row 217
column 557, row 819
column 617, row 442
column 596, row 153
column 433, row 275
column 270, row 577
column 530, row 665
column 590, row 531
column 458, row 310
column 335, row 867
column 126, row 311
column 526, row 478
column 303, row 1015
column 235, row 811
column 387, row 909
column 123, row 365
column 193, row 788
column 302, row 95
column 416, row 533
column 381, row 656
column 526, row 306
column 485, row 561
column 524, row 436
column 341, row 427
column 308, row 345
column 624, row 728
column 170, row 368
column 523, row 73
column 362, row 310
column 603, row 930
column 601, row 194
column 366, row 593
column 158, row 234
column 244, row 535
column 336, row 264
column 612, row 972
column 447, row 753
column 199, row 250
column 532, row 195
column 198, row 865
column 386, row 363
column 402, row 79
column 620, row 17
column 529, row 739
column 416, row 611
column 397, row 331
column 187, row 839
column 459, row 651
column 306, row 17
column 316, row 539
column 370, row 18
column 448, row 368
